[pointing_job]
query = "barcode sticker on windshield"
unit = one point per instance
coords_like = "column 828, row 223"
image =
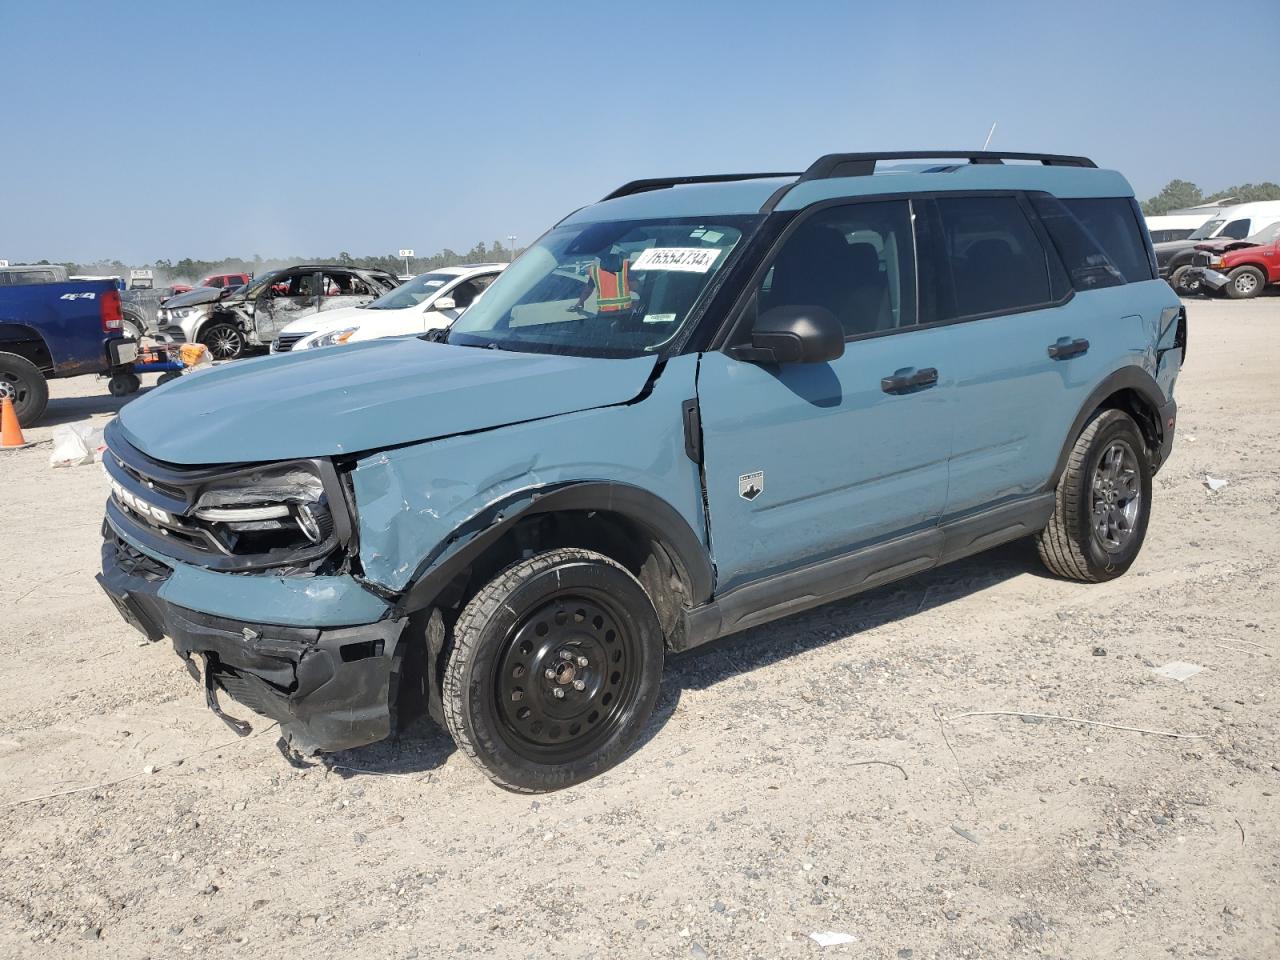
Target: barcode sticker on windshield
column 687, row 259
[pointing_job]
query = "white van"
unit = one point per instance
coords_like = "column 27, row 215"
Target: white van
column 1174, row 226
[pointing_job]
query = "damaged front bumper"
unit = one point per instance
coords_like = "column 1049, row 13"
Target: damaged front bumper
column 330, row 688
column 1209, row 277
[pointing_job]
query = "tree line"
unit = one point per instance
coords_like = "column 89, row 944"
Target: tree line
column 1175, row 195
column 1183, row 193
column 188, row 269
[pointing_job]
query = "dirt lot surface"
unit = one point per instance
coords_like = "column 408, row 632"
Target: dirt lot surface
column 748, row 819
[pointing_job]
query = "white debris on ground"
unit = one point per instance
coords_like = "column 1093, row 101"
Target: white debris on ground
column 1213, row 483
column 1178, row 670
column 832, row 938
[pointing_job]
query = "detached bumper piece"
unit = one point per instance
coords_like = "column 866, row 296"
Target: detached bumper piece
column 330, row 689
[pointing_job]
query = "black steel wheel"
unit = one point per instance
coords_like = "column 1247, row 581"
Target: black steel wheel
column 1103, row 502
column 554, row 669
column 224, row 339
column 23, row 383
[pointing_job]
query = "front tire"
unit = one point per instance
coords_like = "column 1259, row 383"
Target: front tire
column 22, row 381
column 1245, row 283
column 554, row 670
column 1103, row 503
column 225, row 340
column 1181, row 285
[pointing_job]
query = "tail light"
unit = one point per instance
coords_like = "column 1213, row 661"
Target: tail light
column 109, row 310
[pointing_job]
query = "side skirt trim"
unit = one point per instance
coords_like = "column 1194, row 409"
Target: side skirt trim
column 765, row 600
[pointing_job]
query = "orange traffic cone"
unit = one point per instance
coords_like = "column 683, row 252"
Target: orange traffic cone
column 10, row 429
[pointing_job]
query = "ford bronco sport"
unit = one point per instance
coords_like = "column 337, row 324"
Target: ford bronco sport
column 699, row 405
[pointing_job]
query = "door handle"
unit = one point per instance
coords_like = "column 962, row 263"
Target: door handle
column 909, row 381
column 1065, row 349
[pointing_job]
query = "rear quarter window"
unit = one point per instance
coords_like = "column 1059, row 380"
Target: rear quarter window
column 1113, row 224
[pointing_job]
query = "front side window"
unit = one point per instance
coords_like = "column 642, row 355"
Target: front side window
column 618, row 288
column 996, row 261
column 857, row 261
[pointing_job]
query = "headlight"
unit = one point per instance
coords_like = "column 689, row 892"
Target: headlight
column 1215, row 261
column 182, row 313
column 267, row 508
column 333, row 338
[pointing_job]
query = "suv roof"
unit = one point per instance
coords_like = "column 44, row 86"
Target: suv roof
column 855, row 174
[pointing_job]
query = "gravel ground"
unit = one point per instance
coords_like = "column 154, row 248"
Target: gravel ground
column 749, row 818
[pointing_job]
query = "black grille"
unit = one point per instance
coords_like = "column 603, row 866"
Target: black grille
column 286, row 341
column 175, row 333
column 136, row 563
column 1201, row 258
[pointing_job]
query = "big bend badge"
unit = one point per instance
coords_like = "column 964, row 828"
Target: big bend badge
column 751, row 485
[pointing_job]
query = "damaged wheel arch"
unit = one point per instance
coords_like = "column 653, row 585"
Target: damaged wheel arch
column 547, row 517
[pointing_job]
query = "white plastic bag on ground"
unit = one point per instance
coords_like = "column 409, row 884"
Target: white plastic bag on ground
column 75, row 444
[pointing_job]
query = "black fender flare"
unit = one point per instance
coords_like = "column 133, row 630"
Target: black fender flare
column 1131, row 377
column 649, row 511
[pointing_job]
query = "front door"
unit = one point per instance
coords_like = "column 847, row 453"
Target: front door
column 292, row 296
column 808, row 461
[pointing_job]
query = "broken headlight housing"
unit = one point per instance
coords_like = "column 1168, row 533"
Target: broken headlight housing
column 267, row 510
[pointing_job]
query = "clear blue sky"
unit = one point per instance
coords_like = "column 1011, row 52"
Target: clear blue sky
column 145, row 130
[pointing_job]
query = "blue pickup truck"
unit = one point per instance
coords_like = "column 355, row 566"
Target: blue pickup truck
column 61, row 329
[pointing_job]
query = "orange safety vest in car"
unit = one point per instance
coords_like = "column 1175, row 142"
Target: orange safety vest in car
column 613, row 290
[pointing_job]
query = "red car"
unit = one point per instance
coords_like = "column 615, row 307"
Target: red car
column 225, row 280
column 1243, row 268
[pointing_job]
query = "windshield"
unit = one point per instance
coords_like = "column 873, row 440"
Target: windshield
column 614, row 289
column 1266, row 235
column 259, row 284
column 1205, row 230
column 412, row 292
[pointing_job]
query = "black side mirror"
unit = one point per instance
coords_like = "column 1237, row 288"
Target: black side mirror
column 803, row 334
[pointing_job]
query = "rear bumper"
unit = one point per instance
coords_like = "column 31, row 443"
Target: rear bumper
column 329, row 688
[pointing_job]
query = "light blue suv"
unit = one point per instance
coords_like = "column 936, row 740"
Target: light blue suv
column 698, row 405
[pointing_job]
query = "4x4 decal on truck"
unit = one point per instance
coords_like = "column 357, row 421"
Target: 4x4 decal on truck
column 751, row 485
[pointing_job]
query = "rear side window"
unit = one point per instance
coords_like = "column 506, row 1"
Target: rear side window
column 996, row 260
column 1112, row 223
column 1087, row 263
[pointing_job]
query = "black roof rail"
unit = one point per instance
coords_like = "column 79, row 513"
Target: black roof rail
column 864, row 164
column 661, row 183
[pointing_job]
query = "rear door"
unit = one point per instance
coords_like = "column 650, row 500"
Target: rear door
column 345, row 288
column 804, row 462
column 1025, row 348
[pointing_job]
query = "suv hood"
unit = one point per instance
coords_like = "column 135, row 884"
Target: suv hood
column 1225, row 244
column 379, row 393
column 196, row 296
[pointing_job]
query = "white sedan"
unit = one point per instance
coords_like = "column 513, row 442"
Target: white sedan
column 427, row 302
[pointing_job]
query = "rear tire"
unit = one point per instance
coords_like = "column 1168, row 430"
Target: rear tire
column 554, row 670
column 1245, row 283
column 23, row 382
column 1103, row 503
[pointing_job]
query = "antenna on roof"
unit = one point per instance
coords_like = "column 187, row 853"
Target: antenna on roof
column 990, row 133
